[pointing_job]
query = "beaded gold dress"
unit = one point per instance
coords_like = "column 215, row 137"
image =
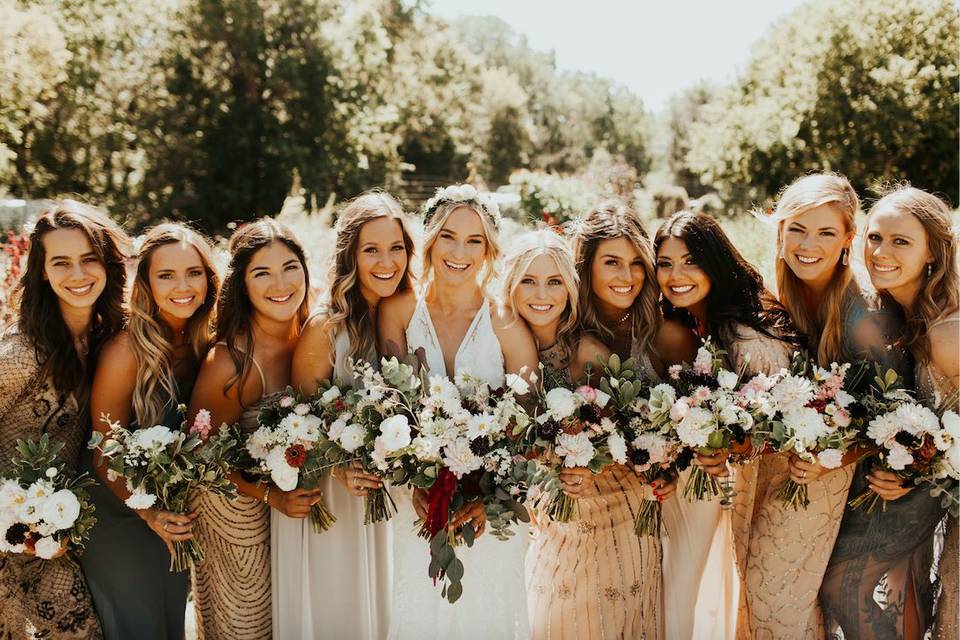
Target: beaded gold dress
column 594, row 578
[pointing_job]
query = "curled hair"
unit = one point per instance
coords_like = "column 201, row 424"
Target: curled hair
column 234, row 309
column 40, row 319
column 151, row 338
column 940, row 294
column 524, row 250
column 609, row 220
column 737, row 295
column 347, row 308
column 825, row 331
column 434, row 225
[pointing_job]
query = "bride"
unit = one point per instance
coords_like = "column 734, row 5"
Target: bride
column 456, row 326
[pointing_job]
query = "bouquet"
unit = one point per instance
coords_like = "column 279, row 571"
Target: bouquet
column 162, row 466
column 576, row 428
column 369, row 424
column 814, row 418
column 460, row 449
column 285, row 449
column 643, row 413
column 909, row 438
column 946, row 465
column 706, row 414
column 42, row 508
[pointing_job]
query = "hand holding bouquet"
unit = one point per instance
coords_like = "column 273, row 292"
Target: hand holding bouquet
column 44, row 511
column 162, row 466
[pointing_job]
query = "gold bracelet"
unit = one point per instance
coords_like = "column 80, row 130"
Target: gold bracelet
column 266, row 495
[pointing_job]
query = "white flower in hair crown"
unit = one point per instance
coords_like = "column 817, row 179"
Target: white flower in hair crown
column 461, row 193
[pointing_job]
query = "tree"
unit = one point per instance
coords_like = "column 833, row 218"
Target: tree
column 868, row 89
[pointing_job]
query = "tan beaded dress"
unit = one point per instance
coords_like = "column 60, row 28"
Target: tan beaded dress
column 937, row 389
column 781, row 553
column 39, row 598
column 593, row 578
column 232, row 587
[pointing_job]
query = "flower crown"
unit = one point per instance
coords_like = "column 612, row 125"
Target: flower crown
column 461, row 194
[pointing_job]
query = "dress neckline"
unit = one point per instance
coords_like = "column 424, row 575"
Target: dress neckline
column 436, row 339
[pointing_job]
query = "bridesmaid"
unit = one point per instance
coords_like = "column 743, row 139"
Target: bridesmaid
column 143, row 375
column 337, row 584
column 707, row 283
column 456, row 328
column 71, row 302
column 568, row 564
column 261, row 309
column 618, row 301
column 910, row 252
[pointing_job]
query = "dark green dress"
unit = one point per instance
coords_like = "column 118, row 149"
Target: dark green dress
column 127, row 567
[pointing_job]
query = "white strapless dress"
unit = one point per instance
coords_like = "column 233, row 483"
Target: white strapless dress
column 494, row 602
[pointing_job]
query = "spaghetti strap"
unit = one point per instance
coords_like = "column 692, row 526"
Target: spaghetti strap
column 263, row 379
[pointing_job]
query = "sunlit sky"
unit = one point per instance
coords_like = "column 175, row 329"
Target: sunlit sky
column 654, row 48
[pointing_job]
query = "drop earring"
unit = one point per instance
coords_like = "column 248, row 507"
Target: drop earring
column 929, row 269
column 844, row 259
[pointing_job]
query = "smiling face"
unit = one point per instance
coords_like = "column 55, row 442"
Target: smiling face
column 681, row 280
column 73, row 269
column 460, row 250
column 177, row 280
column 541, row 296
column 381, row 257
column 275, row 282
column 616, row 273
column 813, row 242
column 896, row 252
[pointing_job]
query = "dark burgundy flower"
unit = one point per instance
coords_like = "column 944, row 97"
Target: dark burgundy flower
column 549, row 429
column 17, row 533
column 480, row 446
column 296, row 455
column 589, row 413
column 639, row 456
column 684, row 459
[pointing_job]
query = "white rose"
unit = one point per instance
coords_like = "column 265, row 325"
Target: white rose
column 12, row 495
column 951, row 423
column 282, row 474
column 352, row 437
column 61, row 509
column 561, row 403
column 336, row 429
column 618, row 448
column 46, row 548
column 330, row 395
column 153, row 438
column 29, row 511
column 395, row 433
column 258, row 444
column 830, row 458
column 576, row 450
column 695, row 428
column 727, row 379
column 140, row 499
column 679, row 410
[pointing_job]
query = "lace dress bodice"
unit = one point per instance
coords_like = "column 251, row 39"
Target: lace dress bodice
column 479, row 351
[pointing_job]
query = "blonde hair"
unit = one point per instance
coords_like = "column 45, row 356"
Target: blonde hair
column 347, row 309
column 940, row 294
column 151, row 338
column 525, row 249
column 609, row 220
column 434, row 225
column 804, row 194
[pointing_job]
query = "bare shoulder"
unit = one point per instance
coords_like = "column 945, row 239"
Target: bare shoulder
column 117, row 355
column 590, row 349
column 316, row 330
column 399, row 305
column 944, row 345
column 218, row 365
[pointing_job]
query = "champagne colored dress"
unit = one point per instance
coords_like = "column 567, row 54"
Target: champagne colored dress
column 40, row 598
column 232, row 586
column 781, row 553
column 335, row 584
column 594, row 578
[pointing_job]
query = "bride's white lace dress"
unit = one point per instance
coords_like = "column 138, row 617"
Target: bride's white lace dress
column 493, row 604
